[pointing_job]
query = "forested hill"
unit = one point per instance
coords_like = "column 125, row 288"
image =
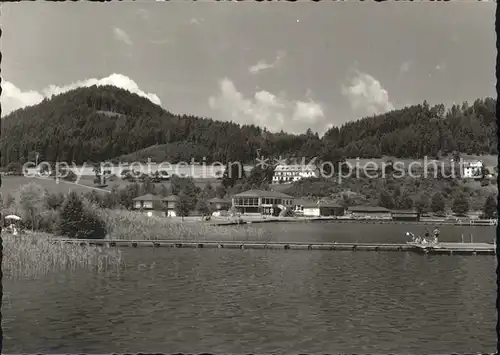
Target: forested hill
column 421, row 130
column 104, row 123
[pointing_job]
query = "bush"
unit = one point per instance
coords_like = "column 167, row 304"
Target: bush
column 77, row 221
column 49, row 222
column 54, row 200
column 70, row 176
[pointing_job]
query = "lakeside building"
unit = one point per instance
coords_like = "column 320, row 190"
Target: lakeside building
column 472, row 169
column 323, row 209
column 405, row 215
column 298, row 206
column 317, row 209
column 219, row 204
column 153, row 205
column 358, row 212
column 287, row 174
column 262, row 202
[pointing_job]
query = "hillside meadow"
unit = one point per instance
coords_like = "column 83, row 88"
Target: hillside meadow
column 11, row 184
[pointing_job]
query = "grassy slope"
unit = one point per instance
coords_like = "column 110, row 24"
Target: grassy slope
column 10, row 184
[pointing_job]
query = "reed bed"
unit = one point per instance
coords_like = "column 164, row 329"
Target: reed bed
column 32, row 255
column 129, row 225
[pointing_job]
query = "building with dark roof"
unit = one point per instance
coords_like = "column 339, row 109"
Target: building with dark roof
column 320, row 209
column 156, row 205
column 405, row 215
column 367, row 212
column 262, row 202
column 169, row 204
column 219, row 204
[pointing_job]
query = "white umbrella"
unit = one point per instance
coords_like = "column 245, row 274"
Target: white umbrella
column 13, row 216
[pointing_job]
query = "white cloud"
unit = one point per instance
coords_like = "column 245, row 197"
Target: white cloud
column 143, row 13
column 196, row 21
column 366, row 95
column 441, row 66
column 267, row 110
column 160, row 41
column 122, row 36
column 13, row 98
column 405, row 67
column 263, row 65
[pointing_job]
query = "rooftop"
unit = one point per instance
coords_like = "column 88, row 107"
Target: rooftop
column 368, row 209
column 147, row 197
column 218, row 200
column 294, row 167
column 313, row 204
column 171, row 198
column 404, row 211
column 262, row 193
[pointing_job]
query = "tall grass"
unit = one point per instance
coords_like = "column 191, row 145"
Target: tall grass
column 33, row 255
column 129, row 225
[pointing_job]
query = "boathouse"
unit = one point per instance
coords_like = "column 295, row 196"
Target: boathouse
column 358, row 212
column 298, row 206
column 218, row 204
column 262, row 202
column 405, row 215
column 322, row 209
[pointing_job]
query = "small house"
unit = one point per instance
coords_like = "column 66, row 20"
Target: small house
column 170, row 203
column 219, row 204
column 154, row 205
column 298, row 206
column 318, row 209
column 150, row 204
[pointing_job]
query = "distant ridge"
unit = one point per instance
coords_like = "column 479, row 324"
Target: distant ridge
column 105, row 122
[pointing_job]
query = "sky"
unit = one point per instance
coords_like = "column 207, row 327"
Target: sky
column 281, row 66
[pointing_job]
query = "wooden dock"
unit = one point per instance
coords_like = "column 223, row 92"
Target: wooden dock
column 440, row 249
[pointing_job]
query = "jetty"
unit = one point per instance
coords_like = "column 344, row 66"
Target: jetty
column 438, row 249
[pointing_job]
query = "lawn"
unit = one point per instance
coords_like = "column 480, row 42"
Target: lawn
column 10, row 184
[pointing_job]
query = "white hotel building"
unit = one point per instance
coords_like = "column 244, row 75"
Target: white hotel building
column 286, row 174
column 472, row 169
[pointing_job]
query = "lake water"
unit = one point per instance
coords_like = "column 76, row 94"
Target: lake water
column 244, row 301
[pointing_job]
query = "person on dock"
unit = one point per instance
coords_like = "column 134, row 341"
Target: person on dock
column 436, row 232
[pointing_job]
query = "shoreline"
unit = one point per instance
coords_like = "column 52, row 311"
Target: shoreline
column 256, row 220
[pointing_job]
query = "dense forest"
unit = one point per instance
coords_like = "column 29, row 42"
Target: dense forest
column 107, row 123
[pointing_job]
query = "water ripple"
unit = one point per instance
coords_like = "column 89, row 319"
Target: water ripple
column 247, row 301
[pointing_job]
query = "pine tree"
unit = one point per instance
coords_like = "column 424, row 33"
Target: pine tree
column 183, row 205
column 386, row 200
column 71, row 216
column 490, row 207
column 76, row 221
column 460, row 205
column 422, row 204
column 437, row 203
